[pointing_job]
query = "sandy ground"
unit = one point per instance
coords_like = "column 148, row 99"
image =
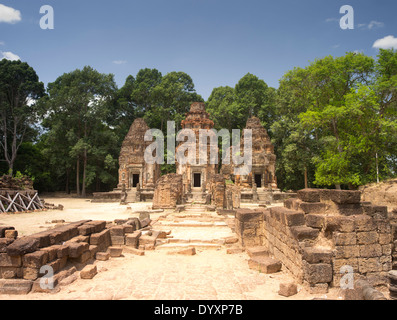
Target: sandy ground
column 74, row 210
column 210, row 275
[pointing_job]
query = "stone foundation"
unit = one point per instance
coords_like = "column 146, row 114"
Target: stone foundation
column 319, row 234
column 25, row 261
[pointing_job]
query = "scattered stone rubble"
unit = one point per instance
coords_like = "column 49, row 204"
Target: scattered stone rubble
column 68, row 248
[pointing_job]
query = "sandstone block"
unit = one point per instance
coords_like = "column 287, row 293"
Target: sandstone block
column 36, row 259
column 11, row 272
column 317, row 273
column 99, row 226
column 309, row 195
column 31, row 273
column 86, row 229
column 288, row 289
column 11, row 234
column 117, row 231
column 339, row 224
column 76, row 249
column 10, row 261
column 293, row 219
column 316, row 255
column 15, row 287
column 117, row 240
column 370, row 251
column 4, row 243
column 364, row 224
column 89, row 272
column 345, row 239
column 341, row 196
column 101, row 237
column 265, row 265
column 102, row 256
column 313, row 207
column 304, row 233
column 367, row 265
column 376, row 212
column 315, row 221
column 367, row 237
column 115, row 252
column 128, row 228
column 23, row 246
column 3, row 229
column 134, row 251
column 184, row 252
column 257, row 251
column 346, row 252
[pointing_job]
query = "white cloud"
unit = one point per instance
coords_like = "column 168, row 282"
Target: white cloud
column 375, row 24
column 119, row 62
column 9, row 15
column 388, row 42
column 9, row 56
column 332, row 20
column 372, row 25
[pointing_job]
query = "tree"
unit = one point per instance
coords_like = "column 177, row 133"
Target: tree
column 255, row 98
column 77, row 105
column 19, row 89
column 223, row 108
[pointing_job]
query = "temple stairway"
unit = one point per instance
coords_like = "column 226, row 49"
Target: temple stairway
column 131, row 196
column 196, row 197
column 196, row 228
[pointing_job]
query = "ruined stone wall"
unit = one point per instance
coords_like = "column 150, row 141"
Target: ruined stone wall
column 320, row 232
column 217, row 187
column 23, row 258
column 64, row 249
column 169, row 192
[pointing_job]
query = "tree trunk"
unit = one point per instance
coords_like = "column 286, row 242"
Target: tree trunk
column 338, row 187
column 78, row 177
column 306, row 182
column 83, row 192
column 67, row 187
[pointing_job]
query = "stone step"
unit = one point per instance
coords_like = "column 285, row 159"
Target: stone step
column 265, row 265
column 302, row 233
column 185, row 241
column 257, row 252
column 197, row 245
column 195, row 224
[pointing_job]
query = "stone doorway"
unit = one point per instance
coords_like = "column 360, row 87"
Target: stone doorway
column 197, row 180
column 258, row 180
column 135, row 180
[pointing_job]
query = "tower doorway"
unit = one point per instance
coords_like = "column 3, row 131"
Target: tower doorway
column 197, row 180
column 258, row 180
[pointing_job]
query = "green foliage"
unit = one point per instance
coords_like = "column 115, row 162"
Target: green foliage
column 19, row 89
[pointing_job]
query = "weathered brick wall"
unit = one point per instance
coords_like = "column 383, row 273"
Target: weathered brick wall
column 21, row 259
column 320, row 232
column 249, row 226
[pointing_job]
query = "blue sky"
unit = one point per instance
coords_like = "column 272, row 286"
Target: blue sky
column 216, row 42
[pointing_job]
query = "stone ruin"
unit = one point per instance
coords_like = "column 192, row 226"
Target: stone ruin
column 68, row 249
column 201, row 183
column 169, row 192
column 260, row 186
column 321, row 235
column 137, row 179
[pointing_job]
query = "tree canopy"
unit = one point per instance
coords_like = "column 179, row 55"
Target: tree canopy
column 333, row 123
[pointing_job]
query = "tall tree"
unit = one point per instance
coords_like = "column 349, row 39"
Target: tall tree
column 77, row 105
column 19, row 89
